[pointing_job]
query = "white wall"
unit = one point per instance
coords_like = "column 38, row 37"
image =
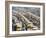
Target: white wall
column 2, row 19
